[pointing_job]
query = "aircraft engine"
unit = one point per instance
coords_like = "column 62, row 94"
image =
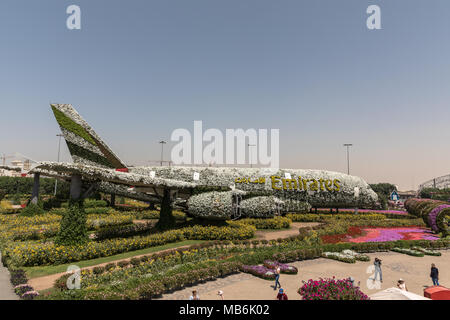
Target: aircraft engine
column 215, row 205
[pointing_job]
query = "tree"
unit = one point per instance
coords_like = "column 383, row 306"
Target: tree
column 383, row 190
column 166, row 218
column 73, row 229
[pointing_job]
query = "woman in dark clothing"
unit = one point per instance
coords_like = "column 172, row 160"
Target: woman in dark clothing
column 434, row 275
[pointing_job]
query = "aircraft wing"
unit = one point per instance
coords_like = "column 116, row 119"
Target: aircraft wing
column 95, row 174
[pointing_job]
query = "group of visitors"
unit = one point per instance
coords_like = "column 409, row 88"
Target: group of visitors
column 434, row 275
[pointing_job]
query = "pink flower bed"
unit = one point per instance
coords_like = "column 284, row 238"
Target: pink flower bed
column 398, row 212
column 331, row 289
column 393, row 234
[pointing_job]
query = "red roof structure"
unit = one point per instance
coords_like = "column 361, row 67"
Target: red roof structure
column 437, row 293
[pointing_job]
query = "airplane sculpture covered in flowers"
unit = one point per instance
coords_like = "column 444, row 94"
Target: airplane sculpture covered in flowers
column 207, row 192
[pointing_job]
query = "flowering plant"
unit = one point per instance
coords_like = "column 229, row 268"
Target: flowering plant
column 409, row 252
column 331, row 289
column 259, row 271
column 284, row 268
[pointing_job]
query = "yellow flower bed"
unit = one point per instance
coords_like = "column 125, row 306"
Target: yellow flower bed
column 34, row 253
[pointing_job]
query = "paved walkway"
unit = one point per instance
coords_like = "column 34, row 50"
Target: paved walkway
column 46, row 282
column 212, row 287
column 414, row 270
column 6, row 289
column 284, row 233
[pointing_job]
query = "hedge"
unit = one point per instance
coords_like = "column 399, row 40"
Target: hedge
column 24, row 185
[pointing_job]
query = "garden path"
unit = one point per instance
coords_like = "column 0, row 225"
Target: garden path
column 212, row 287
column 46, row 282
column 6, row 289
column 284, row 233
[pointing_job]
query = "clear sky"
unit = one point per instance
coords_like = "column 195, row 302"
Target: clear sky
column 139, row 69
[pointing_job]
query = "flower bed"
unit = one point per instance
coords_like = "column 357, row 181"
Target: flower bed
column 314, row 217
column 377, row 234
column 47, row 225
column 409, row 252
column 433, row 212
column 34, row 254
column 348, row 256
column 259, row 271
column 331, row 289
column 427, row 252
column 284, row 268
column 365, row 211
column 269, row 223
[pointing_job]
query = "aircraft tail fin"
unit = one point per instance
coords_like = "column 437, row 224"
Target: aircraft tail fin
column 84, row 144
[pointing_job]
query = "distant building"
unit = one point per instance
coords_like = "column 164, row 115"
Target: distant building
column 9, row 173
column 17, row 168
column 17, row 163
column 405, row 195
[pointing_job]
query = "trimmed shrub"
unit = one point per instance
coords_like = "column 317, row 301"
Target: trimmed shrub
column 73, row 229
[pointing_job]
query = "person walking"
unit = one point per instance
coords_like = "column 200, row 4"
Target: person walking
column 194, row 296
column 377, row 264
column 434, row 275
column 282, row 295
column 220, row 294
column 277, row 278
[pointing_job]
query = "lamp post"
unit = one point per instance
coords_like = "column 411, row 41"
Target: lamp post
column 250, row 154
column 348, row 145
column 162, row 142
column 59, row 152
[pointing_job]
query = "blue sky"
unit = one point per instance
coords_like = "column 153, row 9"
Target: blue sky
column 139, row 69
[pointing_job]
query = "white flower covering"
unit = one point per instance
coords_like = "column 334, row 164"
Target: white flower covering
column 226, row 177
column 261, row 207
column 73, row 138
column 261, row 199
column 111, row 175
column 346, row 255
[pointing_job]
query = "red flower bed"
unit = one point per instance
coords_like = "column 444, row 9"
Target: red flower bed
column 351, row 233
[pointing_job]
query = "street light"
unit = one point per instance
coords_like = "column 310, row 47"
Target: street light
column 249, row 153
column 348, row 145
column 162, row 150
column 59, row 152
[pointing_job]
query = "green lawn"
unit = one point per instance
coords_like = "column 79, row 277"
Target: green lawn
column 40, row 271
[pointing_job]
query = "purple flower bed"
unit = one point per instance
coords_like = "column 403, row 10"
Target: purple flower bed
column 22, row 288
column 331, row 289
column 30, row 295
column 284, row 268
column 432, row 217
column 259, row 271
column 395, row 212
